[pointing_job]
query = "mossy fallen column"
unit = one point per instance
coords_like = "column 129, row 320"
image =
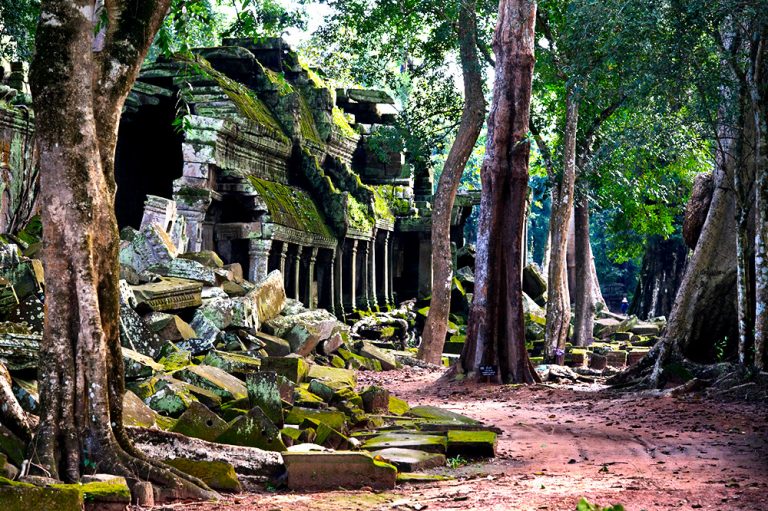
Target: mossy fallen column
column 258, row 259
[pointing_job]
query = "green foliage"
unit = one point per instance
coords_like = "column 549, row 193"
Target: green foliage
column 18, row 21
column 584, row 505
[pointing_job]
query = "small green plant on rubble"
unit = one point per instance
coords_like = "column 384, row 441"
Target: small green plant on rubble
column 457, row 461
column 584, row 505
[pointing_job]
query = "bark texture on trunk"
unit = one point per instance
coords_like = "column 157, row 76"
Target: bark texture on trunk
column 473, row 114
column 496, row 329
column 79, row 90
column 757, row 81
column 558, row 299
column 584, row 321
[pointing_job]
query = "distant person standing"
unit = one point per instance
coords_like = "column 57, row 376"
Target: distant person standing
column 624, row 305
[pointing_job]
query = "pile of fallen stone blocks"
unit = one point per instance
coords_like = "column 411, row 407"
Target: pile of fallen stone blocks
column 215, row 362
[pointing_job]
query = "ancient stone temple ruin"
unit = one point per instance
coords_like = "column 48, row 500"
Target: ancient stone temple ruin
column 243, row 150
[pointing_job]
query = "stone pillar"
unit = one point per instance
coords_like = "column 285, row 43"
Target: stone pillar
column 372, row 300
column 283, row 255
column 425, row 266
column 337, row 289
column 353, row 276
column 296, row 277
column 391, row 272
column 258, row 259
column 311, row 294
column 194, row 217
column 385, row 292
column 365, row 302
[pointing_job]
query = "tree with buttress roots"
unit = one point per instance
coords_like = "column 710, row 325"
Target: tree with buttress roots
column 496, row 329
column 86, row 60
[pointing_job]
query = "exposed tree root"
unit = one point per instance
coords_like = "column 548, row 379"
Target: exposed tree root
column 666, row 371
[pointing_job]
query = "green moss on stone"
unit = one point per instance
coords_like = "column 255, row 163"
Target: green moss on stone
column 341, row 123
column 219, row 475
column 247, row 103
column 291, row 207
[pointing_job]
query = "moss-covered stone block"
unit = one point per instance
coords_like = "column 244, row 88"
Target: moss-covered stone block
column 235, row 364
column 200, row 422
column 329, row 437
column 292, row 367
column 375, row 400
column 332, row 418
column 472, row 444
column 397, row 406
column 215, row 380
column 264, row 392
column 253, row 430
column 27, row 497
column 219, row 475
column 332, row 375
column 342, row 469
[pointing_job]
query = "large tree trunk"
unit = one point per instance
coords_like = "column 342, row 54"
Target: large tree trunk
column 584, row 320
column 661, row 273
column 472, row 118
column 704, row 312
column 496, row 329
column 558, row 299
column 79, row 91
column 757, row 80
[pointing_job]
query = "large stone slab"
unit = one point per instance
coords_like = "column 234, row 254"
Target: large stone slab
column 426, row 443
column 269, row 296
column 219, row 475
column 151, row 246
column 215, row 380
column 411, row 460
column 329, row 470
column 386, row 359
column 438, row 414
column 169, row 294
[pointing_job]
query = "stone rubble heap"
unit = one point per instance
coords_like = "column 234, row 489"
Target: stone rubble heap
column 232, row 382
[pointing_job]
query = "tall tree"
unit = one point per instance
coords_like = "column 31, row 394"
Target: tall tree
column 496, row 329
column 558, row 299
column 79, row 84
column 473, row 115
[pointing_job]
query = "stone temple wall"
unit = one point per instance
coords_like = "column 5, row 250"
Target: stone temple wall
column 18, row 169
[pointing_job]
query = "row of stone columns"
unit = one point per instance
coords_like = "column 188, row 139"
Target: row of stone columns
column 355, row 275
column 362, row 274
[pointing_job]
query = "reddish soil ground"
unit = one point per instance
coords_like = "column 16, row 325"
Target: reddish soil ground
column 563, row 443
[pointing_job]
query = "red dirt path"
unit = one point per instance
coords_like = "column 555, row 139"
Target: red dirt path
column 564, row 443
